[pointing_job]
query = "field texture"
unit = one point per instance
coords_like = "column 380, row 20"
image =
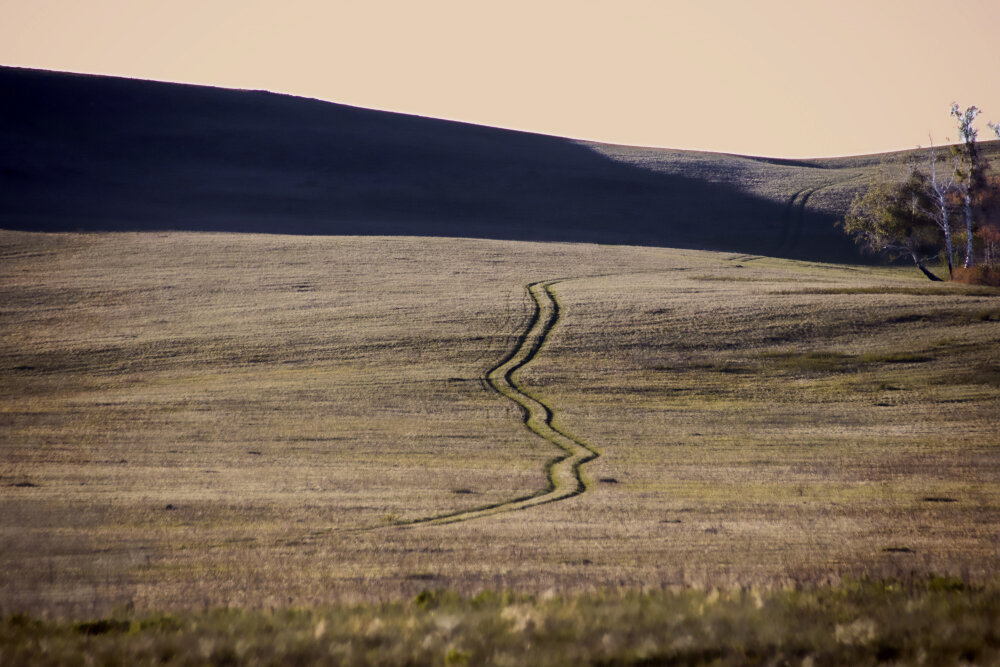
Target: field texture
column 194, row 420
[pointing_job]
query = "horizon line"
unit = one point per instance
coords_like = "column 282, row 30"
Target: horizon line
column 403, row 112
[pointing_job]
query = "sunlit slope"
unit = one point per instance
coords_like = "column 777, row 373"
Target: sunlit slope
column 207, row 420
column 98, row 153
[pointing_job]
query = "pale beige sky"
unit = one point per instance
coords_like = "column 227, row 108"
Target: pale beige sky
column 763, row 77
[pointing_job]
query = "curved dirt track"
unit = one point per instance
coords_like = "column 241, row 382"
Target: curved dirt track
column 562, row 471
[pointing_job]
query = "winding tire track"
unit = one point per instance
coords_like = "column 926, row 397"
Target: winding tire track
column 563, row 472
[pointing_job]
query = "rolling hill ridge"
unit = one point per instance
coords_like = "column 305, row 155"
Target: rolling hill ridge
column 90, row 153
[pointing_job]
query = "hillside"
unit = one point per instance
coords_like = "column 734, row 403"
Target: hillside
column 256, row 420
column 82, row 152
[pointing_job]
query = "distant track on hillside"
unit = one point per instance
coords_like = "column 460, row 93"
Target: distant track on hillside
column 563, row 472
column 795, row 217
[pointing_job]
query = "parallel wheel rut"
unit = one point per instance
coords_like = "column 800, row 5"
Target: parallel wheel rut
column 563, row 472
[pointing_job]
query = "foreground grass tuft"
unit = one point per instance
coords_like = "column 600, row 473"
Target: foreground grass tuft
column 940, row 620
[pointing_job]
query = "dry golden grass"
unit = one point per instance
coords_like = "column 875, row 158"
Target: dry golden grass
column 937, row 622
column 198, row 419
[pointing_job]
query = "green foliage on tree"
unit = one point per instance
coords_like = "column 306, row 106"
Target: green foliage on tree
column 914, row 217
column 892, row 219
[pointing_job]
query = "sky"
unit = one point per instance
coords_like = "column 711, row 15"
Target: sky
column 787, row 78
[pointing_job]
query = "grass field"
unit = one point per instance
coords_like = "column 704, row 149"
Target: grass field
column 938, row 621
column 209, row 420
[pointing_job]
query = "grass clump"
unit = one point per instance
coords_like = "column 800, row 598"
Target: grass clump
column 894, row 358
column 857, row 622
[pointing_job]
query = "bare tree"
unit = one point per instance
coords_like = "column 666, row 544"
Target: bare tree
column 971, row 177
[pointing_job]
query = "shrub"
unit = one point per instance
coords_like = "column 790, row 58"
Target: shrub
column 978, row 275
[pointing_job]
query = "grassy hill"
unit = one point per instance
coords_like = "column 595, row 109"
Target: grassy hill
column 390, row 448
column 198, row 420
column 99, row 153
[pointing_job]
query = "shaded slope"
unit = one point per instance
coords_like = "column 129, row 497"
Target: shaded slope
column 87, row 152
column 84, row 152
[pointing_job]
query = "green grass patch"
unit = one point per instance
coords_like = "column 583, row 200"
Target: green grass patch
column 937, row 621
column 894, row 358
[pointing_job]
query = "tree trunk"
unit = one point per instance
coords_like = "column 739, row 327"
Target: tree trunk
column 947, row 234
column 941, row 196
column 968, row 229
column 923, row 269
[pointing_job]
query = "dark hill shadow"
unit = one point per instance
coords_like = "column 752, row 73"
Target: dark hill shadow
column 88, row 153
